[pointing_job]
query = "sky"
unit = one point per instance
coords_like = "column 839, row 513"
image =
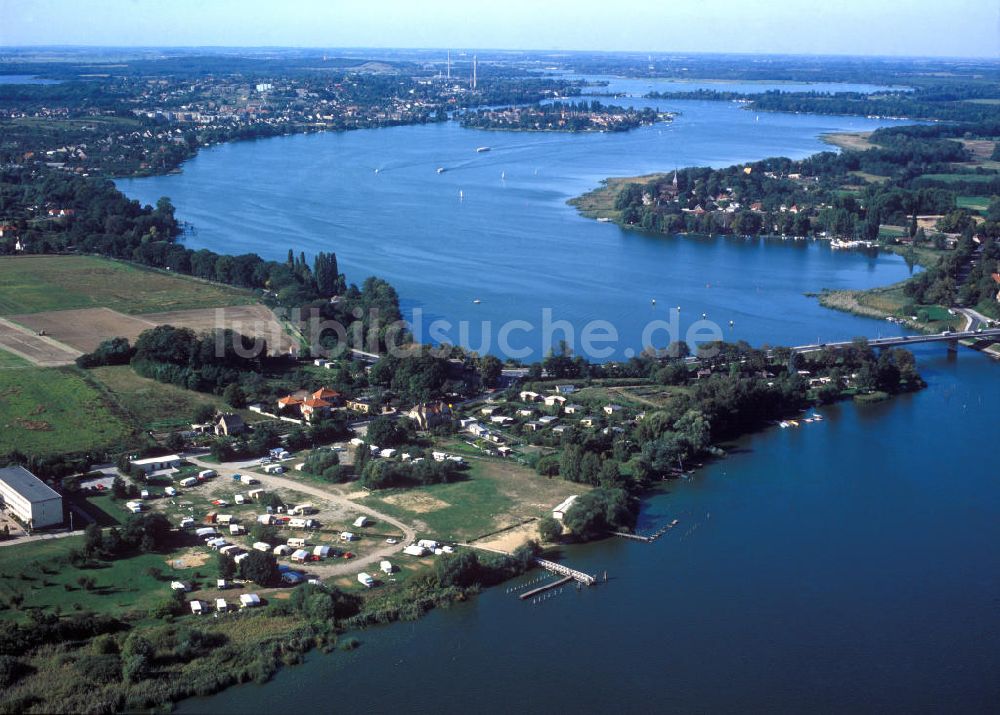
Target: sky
column 951, row 28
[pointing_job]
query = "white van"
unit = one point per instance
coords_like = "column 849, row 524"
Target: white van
column 189, row 482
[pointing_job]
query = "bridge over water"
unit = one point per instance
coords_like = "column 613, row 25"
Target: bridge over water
column 950, row 338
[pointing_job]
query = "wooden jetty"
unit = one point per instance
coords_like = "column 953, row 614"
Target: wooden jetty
column 580, row 576
column 546, row 587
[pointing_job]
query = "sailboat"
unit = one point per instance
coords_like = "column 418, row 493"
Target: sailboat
column 503, row 175
column 461, row 194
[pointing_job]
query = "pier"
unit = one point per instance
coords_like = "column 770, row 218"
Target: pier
column 647, row 538
column 542, row 589
column 580, row 576
column 634, row 537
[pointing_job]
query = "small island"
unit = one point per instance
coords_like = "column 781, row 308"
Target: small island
column 564, row 117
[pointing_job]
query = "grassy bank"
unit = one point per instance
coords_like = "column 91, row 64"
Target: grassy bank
column 600, row 202
column 889, row 301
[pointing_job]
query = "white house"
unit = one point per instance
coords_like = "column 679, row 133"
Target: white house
column 155, row 464
column 554, row 400
column 29, row 498
column 572, row 408
column 529, row 396
column 547, row 420
column 612, row 409
column 560, row 511
column 221, row 606
column 477, row 430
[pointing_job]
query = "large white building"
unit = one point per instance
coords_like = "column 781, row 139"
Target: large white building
column 155, row 464
column 29, row 498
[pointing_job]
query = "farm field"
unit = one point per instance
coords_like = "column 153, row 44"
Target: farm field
column 39, row 350
column 85, row 328
column 33, row 284
column 54, row 410
column 951, row 178
column 975, row 203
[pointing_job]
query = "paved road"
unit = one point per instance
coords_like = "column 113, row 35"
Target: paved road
column 325, row 568
column 975, row 318
column 38, row 537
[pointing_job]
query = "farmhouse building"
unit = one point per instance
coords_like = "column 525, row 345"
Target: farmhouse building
column 230, row 424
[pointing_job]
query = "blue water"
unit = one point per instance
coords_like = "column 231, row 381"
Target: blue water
column 26, row 79
column 845, row 566
column 637, row 87
column 510, row 240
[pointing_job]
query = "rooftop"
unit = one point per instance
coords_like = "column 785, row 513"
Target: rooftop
column 27, row 484
column 156, row 460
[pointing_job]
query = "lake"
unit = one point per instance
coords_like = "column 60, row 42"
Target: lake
column 495, row 226
column 849, row 565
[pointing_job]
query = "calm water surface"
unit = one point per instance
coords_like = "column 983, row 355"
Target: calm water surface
column 844, row 566
column 495, row 225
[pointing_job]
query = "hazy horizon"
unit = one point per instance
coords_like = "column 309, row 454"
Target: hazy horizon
column 921, row 28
